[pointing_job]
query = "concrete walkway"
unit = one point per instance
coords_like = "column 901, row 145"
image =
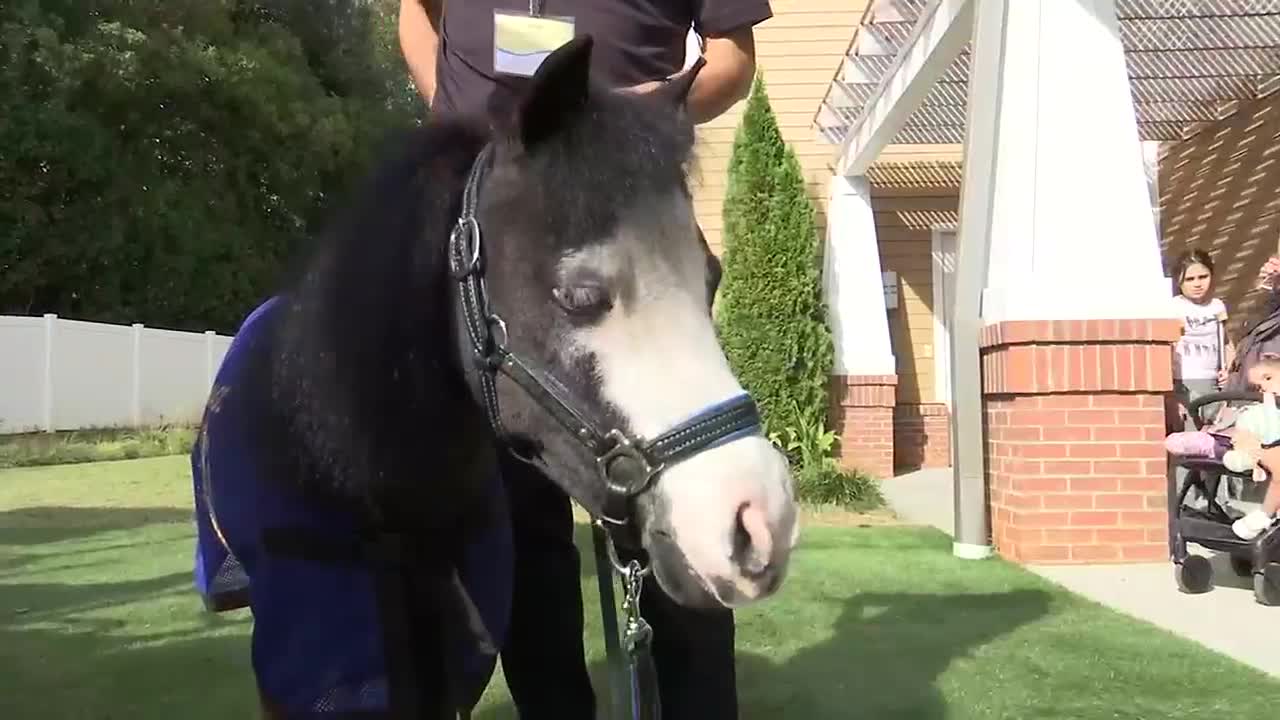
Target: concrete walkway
column 1225, row 619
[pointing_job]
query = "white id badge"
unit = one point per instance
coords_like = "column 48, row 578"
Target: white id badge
column 521, row 42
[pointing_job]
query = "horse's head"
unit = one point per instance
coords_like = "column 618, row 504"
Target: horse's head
column 601, row 287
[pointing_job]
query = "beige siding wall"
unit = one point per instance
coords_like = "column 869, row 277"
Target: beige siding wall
column 905, row 218
column 799, row 51
column 1220, row 191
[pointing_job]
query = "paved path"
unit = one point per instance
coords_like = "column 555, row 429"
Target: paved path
column 1226, row 619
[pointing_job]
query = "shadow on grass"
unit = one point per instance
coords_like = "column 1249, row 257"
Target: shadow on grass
column 23, row 602
column 48, row 524
column 57, row 675
column 72, row 651
column 883, row 659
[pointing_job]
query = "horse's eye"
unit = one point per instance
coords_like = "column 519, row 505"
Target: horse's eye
column 583, row 300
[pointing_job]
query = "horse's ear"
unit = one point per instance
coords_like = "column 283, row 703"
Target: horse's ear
column 677, row 90
column 557, row 91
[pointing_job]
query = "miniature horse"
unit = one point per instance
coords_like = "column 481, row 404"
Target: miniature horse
column 540, row 288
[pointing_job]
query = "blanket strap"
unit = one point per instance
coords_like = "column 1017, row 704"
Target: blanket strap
column 397, row 564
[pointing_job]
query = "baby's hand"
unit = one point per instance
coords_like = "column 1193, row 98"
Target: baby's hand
column 1247, row 443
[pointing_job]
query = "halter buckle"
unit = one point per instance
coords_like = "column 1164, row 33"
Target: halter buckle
column 624, row 467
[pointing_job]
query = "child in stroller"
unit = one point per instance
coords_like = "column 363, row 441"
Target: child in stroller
column 1257, row 425
column 1217, row 526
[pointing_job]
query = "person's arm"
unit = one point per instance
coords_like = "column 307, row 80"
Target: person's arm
column 729, row 48
column 419, row 41
column 729, row 52
column 727, row 76
column 1228, row 348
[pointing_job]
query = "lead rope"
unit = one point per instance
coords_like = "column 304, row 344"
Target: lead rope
column 633, row 678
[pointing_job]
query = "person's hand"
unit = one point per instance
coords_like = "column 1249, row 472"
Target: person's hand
column 1222, row 377
column 1269, row 460
column 651, row 85
column 1247, row 443
column 1267, row 273
column 644, row 87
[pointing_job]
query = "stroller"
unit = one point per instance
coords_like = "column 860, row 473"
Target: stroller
column 1210, row 526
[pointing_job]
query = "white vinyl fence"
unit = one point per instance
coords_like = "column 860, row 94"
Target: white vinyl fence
column 58, row 374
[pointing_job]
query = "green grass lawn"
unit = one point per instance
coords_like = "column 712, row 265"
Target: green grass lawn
column 98, row 619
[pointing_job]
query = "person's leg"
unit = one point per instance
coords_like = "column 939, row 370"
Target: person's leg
column 1197, row 444
column 543, row 659
column 1254, row 523
column 1188, row 391
column 693, row 653
column 1182, row 398
column 1271, row 501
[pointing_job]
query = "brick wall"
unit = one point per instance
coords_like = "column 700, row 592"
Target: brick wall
column 862, row 417
column 1074, row 424
column 921, row 436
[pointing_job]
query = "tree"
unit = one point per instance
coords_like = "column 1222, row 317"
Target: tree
column 771, row 312
column 160, row 159
column 771, row 309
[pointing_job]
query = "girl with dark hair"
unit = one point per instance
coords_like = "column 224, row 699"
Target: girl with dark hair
column 1203, row 353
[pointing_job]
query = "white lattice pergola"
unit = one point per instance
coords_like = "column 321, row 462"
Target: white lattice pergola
column 1189, row 62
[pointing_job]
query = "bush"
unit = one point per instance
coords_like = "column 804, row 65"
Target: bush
column 819, row 478
column 771, row 313
column 85, row 446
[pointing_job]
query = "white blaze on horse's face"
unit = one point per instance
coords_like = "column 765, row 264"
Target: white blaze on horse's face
column 720, row 525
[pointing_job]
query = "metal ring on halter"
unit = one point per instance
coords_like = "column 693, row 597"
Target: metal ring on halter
column 622, row 569
column 465, row 224
column 498, row 330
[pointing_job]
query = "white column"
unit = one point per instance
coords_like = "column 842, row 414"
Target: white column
column 852, row 282
column 1072, row 235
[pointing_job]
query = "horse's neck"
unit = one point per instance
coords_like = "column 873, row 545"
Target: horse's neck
column 459, row 463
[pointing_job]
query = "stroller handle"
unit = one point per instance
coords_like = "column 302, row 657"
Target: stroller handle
column 1225, row 396
column 1194, row 407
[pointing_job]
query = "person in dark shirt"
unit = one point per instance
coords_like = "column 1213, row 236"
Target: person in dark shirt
column 639, row 44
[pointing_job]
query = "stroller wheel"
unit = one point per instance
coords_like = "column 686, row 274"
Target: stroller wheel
column 1242, row 565
column 1194, row 575
column 1266, row 585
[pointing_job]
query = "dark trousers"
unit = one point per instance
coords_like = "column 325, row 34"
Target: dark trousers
column 544, row 658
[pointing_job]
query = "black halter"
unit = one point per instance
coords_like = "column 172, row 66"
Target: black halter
column 627, row 465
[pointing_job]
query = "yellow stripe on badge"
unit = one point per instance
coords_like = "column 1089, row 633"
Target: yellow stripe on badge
column 528, row 35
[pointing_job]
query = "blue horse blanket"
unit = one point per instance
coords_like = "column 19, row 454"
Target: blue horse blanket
column 318, row 638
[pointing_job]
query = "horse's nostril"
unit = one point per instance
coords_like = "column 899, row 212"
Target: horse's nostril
column 752, row 541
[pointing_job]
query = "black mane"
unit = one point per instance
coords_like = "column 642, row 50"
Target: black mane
column 361, row 375
column 620, row 148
